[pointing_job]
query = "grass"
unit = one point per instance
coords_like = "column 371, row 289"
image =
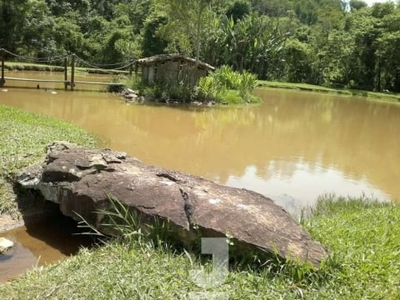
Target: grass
column 23, row 139
column 391, row 97
column 364, row 237
column 233, row 97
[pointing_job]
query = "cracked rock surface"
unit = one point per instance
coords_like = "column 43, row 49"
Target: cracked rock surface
column 80, row 180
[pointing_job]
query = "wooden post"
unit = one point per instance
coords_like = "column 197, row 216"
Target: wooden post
column 130, row 69
column 72, row 72
column 65, row 72
column 2, row 80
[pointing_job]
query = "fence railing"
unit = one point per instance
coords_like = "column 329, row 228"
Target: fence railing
column 69, row 61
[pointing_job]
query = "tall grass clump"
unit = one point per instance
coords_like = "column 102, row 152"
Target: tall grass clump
column 208, row 88
column 227, row 86
column 129, row 226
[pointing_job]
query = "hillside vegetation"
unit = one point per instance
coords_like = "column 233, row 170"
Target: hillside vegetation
column 334, row 43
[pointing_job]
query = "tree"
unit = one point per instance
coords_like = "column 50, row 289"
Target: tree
column 187, row 21
column 272, row 8
column 68, row 36
column 238, row 10
column 317, row 41
column 298, row 59
column 12, row 22
column 387, row 68
column 251, row 43
column 152, row 44
column 38, row 32
column 357, row 4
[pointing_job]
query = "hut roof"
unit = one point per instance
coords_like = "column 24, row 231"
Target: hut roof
column 166, row 57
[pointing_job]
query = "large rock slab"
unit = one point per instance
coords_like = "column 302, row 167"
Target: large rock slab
column 81, row 179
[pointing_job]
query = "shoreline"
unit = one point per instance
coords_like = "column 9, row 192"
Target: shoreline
column 369, row 95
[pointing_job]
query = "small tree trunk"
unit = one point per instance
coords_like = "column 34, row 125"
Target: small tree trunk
column 198, row 33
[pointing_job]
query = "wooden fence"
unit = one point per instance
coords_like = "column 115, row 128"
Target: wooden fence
column 68, row 82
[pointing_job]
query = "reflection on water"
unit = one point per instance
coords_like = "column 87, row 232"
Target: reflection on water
column 302, row 184
column 292, row 148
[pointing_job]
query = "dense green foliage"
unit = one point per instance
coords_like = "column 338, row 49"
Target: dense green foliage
column 326, row 42
column 227, row 86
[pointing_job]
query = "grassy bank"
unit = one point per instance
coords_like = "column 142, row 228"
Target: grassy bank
column 364, row 264
column 23, row 138
column 391, row 97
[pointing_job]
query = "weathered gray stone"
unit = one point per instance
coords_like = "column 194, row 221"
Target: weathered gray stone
column 80, row 180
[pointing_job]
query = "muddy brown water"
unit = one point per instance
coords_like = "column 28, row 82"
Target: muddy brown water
column 41, row 243
column 293, row 147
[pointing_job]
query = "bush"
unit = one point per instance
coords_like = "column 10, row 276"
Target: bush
column 134, row 82
column 208, row 88
column 225, row 76
column 117, row 88
column 215, row 87
column 246, row 84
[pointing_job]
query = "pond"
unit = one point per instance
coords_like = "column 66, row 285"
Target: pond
column 293, row 147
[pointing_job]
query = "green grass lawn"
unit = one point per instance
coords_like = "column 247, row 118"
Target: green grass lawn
column 391, row 97
column 362, row 237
